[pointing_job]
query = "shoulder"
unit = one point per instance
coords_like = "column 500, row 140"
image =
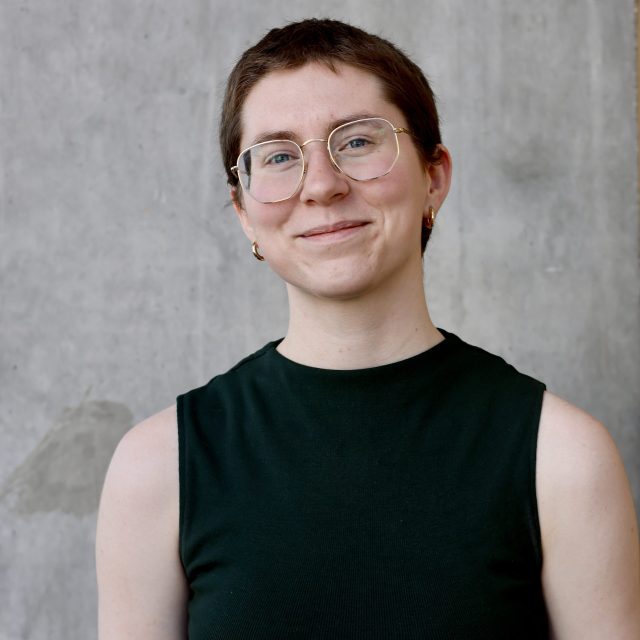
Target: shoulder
column 489, row 369
column 588, row 526
column 141, row 585
column 142, row 479
column 146, row 458
column 156, row 435
column 578, row 465
column 576, row 456
column 573, row 445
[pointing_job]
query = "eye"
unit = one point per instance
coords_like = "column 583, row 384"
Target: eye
column 279, row 158
column 357, row 143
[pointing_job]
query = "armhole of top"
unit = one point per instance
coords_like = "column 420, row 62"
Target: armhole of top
column 536, row 413
column 182, row 474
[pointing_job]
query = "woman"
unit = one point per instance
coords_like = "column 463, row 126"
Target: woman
column 369, row 475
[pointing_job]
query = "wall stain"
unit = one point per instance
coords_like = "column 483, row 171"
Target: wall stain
column 66, row 470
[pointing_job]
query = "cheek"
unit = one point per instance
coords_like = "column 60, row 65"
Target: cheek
column 265, row 219
column 403, row 193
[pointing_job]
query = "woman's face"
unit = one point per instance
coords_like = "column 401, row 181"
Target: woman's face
column 381, row 243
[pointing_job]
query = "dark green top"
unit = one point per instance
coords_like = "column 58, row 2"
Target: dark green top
column 391, row 502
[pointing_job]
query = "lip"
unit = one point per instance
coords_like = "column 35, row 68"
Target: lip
column 328, row 229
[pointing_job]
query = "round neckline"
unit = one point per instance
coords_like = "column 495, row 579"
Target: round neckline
column 390, row 367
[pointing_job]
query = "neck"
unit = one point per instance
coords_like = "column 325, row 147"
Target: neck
column 361, row 332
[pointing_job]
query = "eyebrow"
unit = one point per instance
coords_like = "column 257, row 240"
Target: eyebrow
column 286, row 134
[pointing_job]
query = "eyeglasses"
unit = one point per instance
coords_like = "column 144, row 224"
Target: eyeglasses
column 364, row 149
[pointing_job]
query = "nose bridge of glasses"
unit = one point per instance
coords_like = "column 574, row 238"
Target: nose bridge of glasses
column 331, row 159
column 306, row 142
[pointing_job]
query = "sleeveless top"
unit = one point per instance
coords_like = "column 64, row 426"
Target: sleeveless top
column 391, row 502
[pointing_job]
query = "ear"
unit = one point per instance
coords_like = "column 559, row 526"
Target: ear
column 241, row 213
column 439, row 175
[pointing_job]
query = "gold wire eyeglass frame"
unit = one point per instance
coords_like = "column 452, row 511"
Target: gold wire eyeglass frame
column 396, row 130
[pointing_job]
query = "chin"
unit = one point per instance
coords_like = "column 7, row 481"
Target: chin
column 335, row 288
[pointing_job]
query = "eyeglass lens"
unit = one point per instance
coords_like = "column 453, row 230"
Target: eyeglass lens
column 363, row 150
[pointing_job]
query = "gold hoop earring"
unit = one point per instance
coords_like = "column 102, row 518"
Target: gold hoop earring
column 431, row 218
column 256, row 253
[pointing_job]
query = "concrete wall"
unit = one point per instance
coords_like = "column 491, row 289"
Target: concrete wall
column 126, row 280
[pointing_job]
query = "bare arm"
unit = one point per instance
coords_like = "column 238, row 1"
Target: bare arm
column 142, row 590
column 591, row 572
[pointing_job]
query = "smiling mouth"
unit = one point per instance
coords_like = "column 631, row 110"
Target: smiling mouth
column 333, row 228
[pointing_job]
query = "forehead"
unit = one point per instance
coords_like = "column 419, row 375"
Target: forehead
column 308, row 100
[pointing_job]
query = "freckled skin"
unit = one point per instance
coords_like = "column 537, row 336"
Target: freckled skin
column 307, row 101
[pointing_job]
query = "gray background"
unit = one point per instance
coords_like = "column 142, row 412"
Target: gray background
column 126, row 279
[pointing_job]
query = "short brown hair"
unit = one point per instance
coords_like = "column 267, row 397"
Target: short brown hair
column 331, row 42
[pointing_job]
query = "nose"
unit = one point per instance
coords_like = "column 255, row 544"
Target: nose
column 322, row 181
